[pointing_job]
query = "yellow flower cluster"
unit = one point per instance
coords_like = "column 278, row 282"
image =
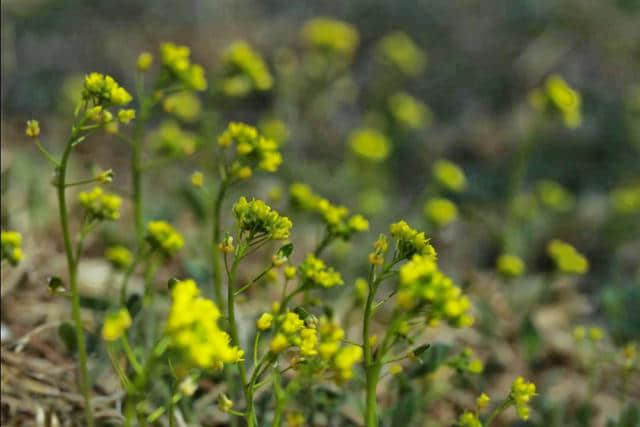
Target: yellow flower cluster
column 115, row 324
column 331, row 335
column 11, row 246
column 409, row 111
column 171, row 139
column 422, row 284
column 556, row 96
column 410, row 241
column 469, row 419
column 449, row 175
column 626, row 200
column 510, row 265
column 466, row 362
column 100, row 205
column 289, row 326
column 566, row 258
column 344, row 361
column 440, row 211
column 259, row 220
column 144, row 61
column 274, row 129
column 316, row 272
column 251, row 148
column 192, row 327
column 119, row 257
column 554, row 196
column 336, row 217
column 521, row 393
column 483, row 401
column 162, row 236
column 184, row 105
column 265, row 321
column 176, row 61
column 104, row 90
column 331, row 36
column 33, row 129
column 246, row 71
column 370, row 144
column 593, row 333
column 400, row 51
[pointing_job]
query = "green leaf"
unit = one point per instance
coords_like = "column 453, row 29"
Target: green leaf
column 134, row 305
column 172, row 282
column 431, row 360
column 286, row 250
column 68, row 335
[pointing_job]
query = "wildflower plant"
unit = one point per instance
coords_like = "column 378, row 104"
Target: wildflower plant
column 11, row 246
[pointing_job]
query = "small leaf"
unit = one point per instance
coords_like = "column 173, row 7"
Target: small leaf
column 286, row 250
column 172, row 282
column 420, row 349
column 68, row 335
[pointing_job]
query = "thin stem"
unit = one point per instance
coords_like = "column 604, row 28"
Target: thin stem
column 82, row 182
column 328, row 238
column 73, row 285
column 46, row 154
column 215, row 250
column 130, row 356
column 499, row 410
column 372, row 371
column 258, row 277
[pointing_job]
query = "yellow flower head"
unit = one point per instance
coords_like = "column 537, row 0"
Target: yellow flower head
column 171, row 139
column 315, row 271
column 184, row 105
column 440, row 211
column 423, row 285
column 482, row 401
column 510, row 265
column 246, row 71
column 558, row 98
column 197, row 179
column 119, row 257
column 258, row 220
column 33, row 129
column 370, row 144
column 11, row 246
column 144, row 62
column 409, row 112
column 521, row 393
column 125, row 116
column 399, row 50
column 176, row 60
column 566, row 258
column 410, row 241
column 104, row 90
column 100, row 205
column 449, row 175
column 115, row 325
column 469, row 419
column 252, row 148
column 554, row 196
column 265, row 321
column 331, row 36
column 344, row 361
column 192, row 327
column 162, row 236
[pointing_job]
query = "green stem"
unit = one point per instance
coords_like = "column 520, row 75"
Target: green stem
column 499, row 410
column 280, row 396
column 73, row 285
column 136, row 165
column 328, row 238
column 371, row 368
column 215, row 250
column 233, row 331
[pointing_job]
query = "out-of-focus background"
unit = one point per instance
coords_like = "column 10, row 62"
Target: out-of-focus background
column 472, row 78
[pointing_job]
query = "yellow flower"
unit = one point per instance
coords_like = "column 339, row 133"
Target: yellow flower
column 100, row 205
column 119, row 257
column 258, row 219
column 410, row 241
column 469, row 419
column 315, row 271
column 344, row 361
column 197, row 179
column 521, row 393
column 482, row 401
column 185, row 105
column 626, row 200
column 567, row 258
column 554, row 196
column 279, row 343
column 510, row 265
column 370, row 144
column 396, row 369
column 400, row 51
column 125, row 116
column 144, row 62
column 252, row 149
column 11, row 246
column 440, row 211
column 246, row 70
column 224, row 403
column 290, row 272
column 33, row 129
column 595, row 334
column 265, row 321
column 115, row 325
column 449, row 175
column 104, row 90
column 176, row 60
column 171, row 139
column 579, row 333
column 192, row 328
column 409, row 112
column 161, row 235
column 331, row 36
